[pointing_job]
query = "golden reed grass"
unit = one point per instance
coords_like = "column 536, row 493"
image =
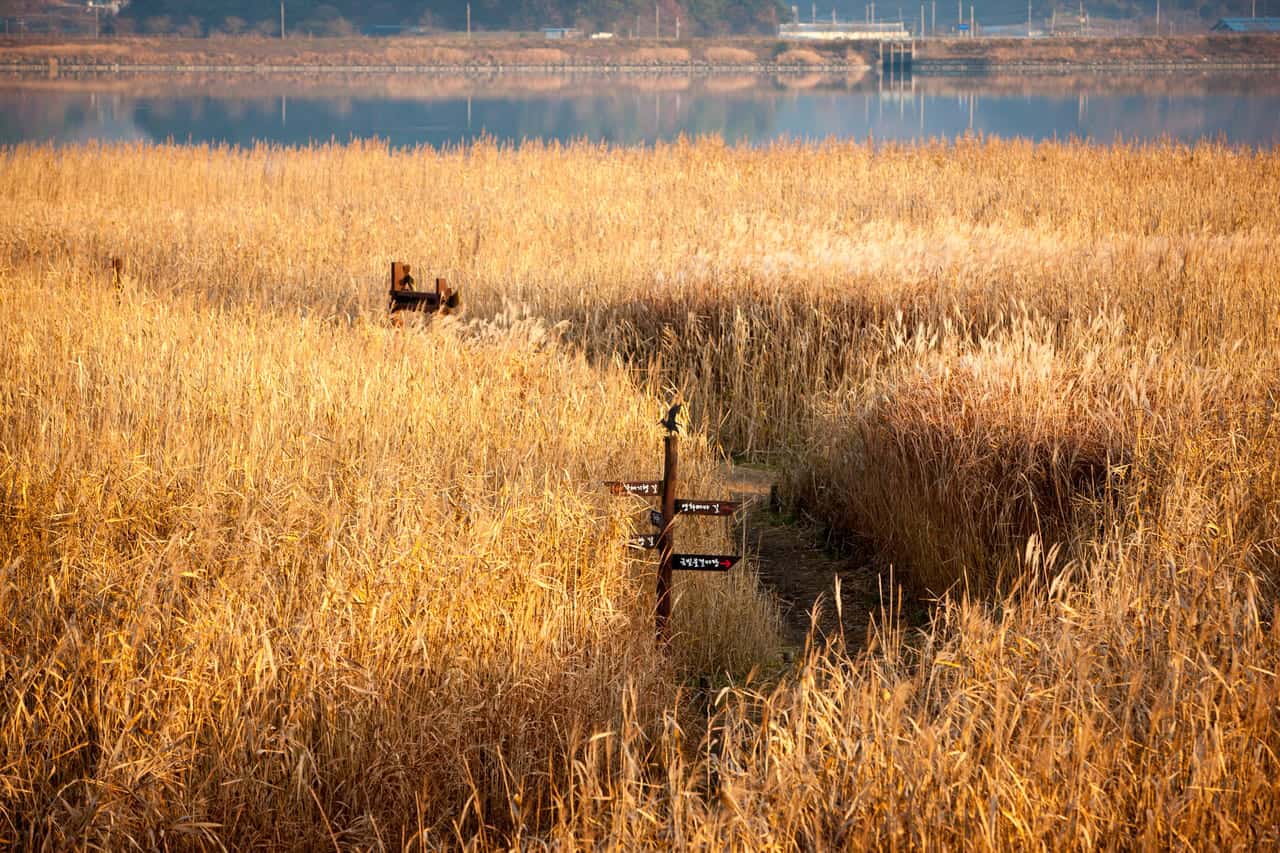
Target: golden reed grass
column 1039, row 379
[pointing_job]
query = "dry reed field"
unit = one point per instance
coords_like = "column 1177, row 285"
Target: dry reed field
column 276, row 573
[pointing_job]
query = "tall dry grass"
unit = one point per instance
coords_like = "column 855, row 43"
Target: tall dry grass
column 1039, row 376
column 754, row 276
column 963, row 449
column 1132, row 704
column 265, row 576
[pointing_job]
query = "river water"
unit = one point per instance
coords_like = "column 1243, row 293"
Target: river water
column 440, row 110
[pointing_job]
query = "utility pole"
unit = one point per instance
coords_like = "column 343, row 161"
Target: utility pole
column 468, row 21
column 933, row 19
column 973, row 22
column 922, row 20
column 1028, row 18
column 1157, row 17
column 677, row 29
column 281, row 20
column 959, row 15
column 813, row 14
column 657, row 21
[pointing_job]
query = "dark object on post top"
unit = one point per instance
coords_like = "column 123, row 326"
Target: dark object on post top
column 670, row 420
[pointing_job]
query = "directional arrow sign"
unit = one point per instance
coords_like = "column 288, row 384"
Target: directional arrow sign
column 704, row 562
column 655, row 518
column 643, row 540
column 646, row 488
column 691, row 507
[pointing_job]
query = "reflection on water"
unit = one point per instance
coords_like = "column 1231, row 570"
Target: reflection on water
column 449, row 110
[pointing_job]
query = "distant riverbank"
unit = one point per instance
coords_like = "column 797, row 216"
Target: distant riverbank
column 454, row 54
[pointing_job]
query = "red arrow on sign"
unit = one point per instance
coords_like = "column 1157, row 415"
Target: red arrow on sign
column 704, row 562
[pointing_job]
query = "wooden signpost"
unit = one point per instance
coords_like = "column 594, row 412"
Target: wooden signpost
column 664, row 520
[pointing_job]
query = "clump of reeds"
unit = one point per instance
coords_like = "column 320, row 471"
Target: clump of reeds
column 726, row 55
column 656, row 56
column 799, row 56
column 962, row 451
column 959, row 452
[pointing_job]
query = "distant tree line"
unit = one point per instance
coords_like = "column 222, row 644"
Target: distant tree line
column 344, row 17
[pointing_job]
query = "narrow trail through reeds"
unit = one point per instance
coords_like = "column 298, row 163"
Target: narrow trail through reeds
column 825, row 587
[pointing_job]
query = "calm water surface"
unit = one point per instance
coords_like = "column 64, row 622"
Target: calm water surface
column 1241, row 109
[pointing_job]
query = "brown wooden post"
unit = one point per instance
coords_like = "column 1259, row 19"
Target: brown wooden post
column 398, row 272
column 666, row 545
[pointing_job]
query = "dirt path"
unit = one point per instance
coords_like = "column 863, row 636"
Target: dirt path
column 797, row 566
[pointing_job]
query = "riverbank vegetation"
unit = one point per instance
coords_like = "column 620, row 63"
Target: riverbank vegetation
column 441, row 51
column 273, row 572
column 1181, row 50
column 506, row 50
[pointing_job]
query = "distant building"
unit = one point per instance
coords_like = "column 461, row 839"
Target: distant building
column 1247, row 25
column 561, row 33
column 844, row 31
column 1013, row 31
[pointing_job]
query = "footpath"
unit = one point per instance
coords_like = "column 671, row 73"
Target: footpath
column 798, row 565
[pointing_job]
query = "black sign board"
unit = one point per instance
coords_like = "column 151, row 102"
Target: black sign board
column 704, row 562
column 691, row 507
column 655, row 518
column 643, row 540
column 645, row 488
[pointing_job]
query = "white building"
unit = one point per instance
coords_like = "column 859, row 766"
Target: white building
column 844, row 31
